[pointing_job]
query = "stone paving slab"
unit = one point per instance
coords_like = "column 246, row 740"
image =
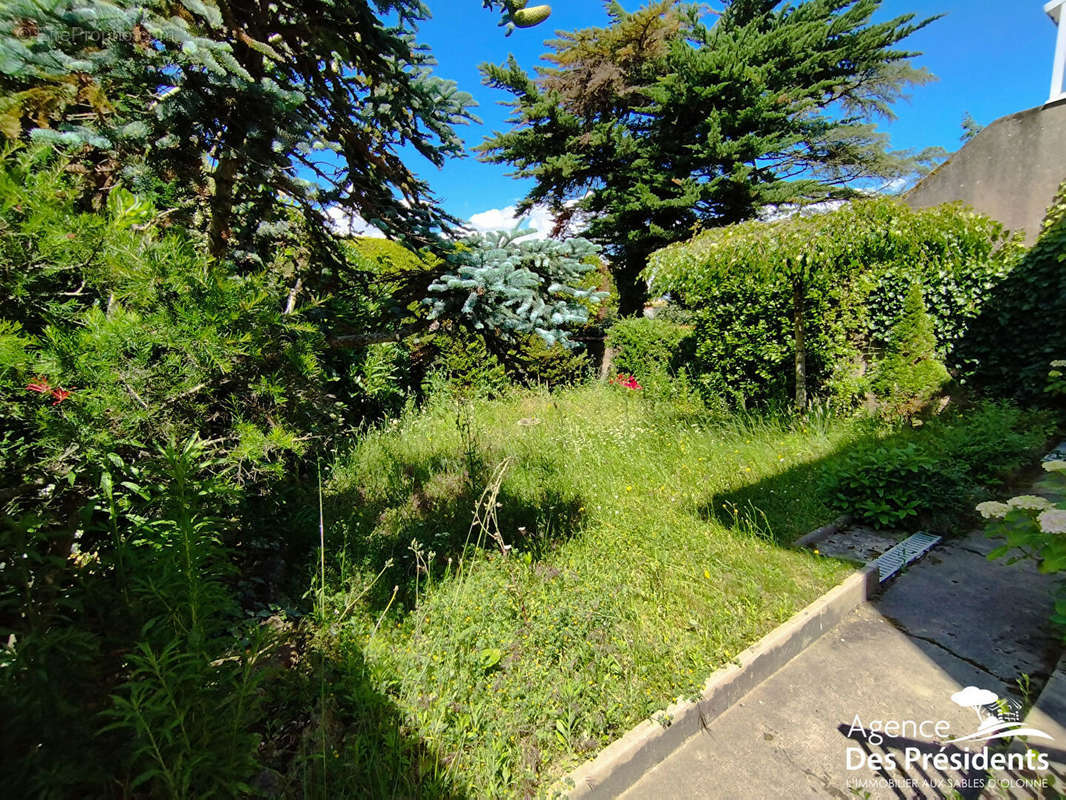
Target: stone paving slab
column 989, row 613
column 950, row 621
column 858, row 543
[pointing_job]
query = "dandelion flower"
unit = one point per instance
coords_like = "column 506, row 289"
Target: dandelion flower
column 1029, row 501
column 1055, row 466
column 1052, row 520
column 993, row 509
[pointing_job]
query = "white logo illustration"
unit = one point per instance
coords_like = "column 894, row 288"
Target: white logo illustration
column 997, row 718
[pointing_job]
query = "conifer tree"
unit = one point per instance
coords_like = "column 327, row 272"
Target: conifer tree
column 911, row 374
column 264, row 122
column 257, row 108
column 661, row 123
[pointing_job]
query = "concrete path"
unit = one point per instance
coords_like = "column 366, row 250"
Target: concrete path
column 950, row 621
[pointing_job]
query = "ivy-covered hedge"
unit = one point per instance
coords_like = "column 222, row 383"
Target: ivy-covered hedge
column 1022, row 328
column 851, row 268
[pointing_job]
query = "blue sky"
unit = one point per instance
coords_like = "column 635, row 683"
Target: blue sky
column 992, row 57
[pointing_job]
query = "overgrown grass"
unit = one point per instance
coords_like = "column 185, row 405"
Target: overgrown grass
column 612, row 573
column 611, row 590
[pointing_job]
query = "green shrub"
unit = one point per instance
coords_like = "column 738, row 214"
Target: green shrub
column 533, row 362
column 898, row 486
column 910, row 375
column 119, row 334
column 851, row 269
column 649, row 345
column 386, row 257
column 931, row 475
column 991, row 440
column 464, row 362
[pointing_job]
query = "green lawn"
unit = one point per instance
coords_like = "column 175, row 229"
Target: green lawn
column 629, row 547
column 627, row 579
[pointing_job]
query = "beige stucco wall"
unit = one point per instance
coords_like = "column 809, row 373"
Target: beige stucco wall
column 1009, row 171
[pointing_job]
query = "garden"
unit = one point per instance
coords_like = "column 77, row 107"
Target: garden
column 293, row 512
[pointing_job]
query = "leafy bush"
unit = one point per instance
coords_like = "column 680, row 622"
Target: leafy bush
column 1032, row 526
column 991, row 440
column 850, row 270
column 463, row 361
column 533, row 362
column 895, row 486
column 649, row 345
column 144, row 613
column 930, row 475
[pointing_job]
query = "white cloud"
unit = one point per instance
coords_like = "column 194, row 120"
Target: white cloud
column 539, row 221
column 349, row 223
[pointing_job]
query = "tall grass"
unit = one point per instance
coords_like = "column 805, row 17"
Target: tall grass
column 612, row 574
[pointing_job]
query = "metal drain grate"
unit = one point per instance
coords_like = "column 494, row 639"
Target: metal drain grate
column 908, row 551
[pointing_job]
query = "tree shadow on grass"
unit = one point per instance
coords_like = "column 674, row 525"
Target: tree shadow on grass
column 329, row 732
column 960, row 465
column 784, row 506
column 433, row 514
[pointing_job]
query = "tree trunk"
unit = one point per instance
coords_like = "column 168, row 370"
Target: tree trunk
column 800, row 334
column 290, row 304
column 225, row 175
column 632, row 290
column 607, row 361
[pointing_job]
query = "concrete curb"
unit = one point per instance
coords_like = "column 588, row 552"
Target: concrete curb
column 817, row 534
column 623, row 762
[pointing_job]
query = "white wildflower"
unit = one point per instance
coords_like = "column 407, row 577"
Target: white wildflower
column 1055, row 466
column 1052, row 520
column 1029, row 501
column 993, row 510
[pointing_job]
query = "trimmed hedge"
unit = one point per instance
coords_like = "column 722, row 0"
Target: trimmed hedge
column 852, row 269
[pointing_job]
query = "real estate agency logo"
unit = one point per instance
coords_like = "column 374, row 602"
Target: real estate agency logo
column 998, row 719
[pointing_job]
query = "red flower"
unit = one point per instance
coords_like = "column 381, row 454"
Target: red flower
column 627, row 381
column 42, row 386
